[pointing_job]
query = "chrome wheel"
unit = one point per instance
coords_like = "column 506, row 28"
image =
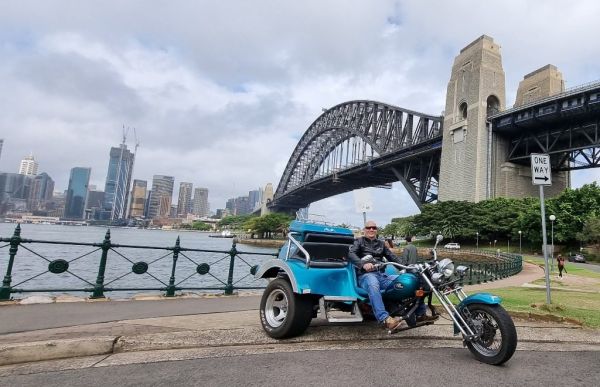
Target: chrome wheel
column 276, row 308
column 496, row 339
column 490, row 340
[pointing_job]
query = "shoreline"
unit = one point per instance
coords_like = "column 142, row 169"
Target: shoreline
column 262, row 242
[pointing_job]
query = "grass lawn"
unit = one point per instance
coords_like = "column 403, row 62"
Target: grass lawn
column 583, row 307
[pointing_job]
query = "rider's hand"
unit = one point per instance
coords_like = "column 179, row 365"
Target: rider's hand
column 368, row 267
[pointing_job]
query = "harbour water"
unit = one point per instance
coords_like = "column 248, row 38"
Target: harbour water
column 30, row 269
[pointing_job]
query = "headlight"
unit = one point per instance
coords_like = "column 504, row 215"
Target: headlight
column 446, row 267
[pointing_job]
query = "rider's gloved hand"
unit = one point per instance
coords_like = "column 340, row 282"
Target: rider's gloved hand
column 368, row 267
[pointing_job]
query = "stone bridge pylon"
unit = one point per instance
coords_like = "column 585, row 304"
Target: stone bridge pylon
column 473, row 164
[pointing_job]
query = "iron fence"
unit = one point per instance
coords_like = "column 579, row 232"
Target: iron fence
column 199, row 262
column 168, row 278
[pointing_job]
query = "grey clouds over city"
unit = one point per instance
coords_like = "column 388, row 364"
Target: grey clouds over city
column 221, row 91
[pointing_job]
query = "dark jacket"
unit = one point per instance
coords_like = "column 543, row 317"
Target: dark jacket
column 364, row 246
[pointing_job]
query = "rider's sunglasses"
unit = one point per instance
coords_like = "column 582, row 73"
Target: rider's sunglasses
column 371, row 228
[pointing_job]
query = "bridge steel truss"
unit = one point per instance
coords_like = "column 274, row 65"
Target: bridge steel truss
column 360, row 144
column 565, row 126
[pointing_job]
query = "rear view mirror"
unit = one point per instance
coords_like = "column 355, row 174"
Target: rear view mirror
column 439, row 238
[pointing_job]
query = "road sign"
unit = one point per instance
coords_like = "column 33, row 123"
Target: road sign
column 541, row 173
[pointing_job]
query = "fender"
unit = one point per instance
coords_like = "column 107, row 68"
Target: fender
column 477, row 298
column 480, row 298
column 280, row 266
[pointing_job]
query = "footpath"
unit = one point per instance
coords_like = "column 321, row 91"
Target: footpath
column 102, row 333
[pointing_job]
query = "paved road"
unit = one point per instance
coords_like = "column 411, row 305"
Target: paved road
column 382, row 367
column 20, row 318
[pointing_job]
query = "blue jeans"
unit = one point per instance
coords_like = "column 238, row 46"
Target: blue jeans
column 373, row 282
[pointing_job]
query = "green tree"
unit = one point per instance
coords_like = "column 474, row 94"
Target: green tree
column 201, row 226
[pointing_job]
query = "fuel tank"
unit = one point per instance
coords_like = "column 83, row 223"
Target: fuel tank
column 404, row 287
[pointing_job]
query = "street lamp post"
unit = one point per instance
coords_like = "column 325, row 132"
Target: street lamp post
column 552, row 219
column 520, row 232
column 477, row 234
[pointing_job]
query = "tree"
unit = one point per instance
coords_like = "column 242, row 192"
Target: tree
column 201, row 226
column 267, row 225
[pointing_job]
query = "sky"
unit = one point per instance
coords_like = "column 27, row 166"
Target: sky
column 220, row 92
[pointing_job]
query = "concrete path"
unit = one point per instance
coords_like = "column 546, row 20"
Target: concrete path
column 218, row 325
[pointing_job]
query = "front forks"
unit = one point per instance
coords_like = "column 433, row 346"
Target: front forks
column 456, row 316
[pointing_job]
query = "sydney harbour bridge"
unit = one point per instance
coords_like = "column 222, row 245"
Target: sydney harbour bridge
column 476, row 150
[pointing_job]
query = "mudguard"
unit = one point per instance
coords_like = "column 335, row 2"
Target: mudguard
column 477, row 298
column 480, row 298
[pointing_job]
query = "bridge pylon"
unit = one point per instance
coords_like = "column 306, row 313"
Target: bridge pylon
column 476, row 89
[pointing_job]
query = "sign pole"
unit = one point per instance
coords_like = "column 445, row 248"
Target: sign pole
column 545, row 244
column 541, row 174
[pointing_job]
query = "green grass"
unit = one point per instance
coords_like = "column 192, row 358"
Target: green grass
column 582, row 307
column 571, row 269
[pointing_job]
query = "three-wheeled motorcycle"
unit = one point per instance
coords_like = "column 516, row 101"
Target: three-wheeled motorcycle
column 311, row 277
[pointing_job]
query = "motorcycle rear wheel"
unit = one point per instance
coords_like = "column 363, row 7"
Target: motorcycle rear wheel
column 284, row 313
column 498, row 340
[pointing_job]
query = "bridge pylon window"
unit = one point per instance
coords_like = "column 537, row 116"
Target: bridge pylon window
column 493, row 105
column 462, row 111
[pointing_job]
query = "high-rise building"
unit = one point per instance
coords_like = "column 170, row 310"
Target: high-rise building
column 238, row 206
column 41, row 191
column 201, row 207
column 254, row 199
column 77, row 192
column 28, row 166
column 14, row 191
column 138, row 199
column 162, row 194
column 184, row 204
column 94, row 203
column 118, row 181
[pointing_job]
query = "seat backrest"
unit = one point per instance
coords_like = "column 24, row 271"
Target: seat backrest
column 324, row 254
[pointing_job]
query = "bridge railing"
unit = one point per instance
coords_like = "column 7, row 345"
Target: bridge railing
column 169, row 269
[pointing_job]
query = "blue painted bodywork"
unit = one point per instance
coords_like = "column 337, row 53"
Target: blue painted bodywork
column 340, row 281
column 480, row 298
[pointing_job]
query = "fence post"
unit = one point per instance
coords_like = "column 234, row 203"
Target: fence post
column 171, row 287
column 485, row 273
column 471, row 274
column 14, row 246
column 232, row 254
column 99, row 287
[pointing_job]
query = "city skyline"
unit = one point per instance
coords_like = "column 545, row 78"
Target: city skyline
column 220, row 98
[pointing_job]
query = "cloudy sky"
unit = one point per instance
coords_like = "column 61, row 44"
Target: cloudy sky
column 221, row 91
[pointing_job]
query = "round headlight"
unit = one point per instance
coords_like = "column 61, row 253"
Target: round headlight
column 446, row 267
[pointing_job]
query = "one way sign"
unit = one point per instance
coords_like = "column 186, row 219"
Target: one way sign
column 541, row 174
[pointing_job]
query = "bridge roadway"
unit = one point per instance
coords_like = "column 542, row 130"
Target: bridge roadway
column 108, row 333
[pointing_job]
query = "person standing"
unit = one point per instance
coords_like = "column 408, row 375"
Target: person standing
column 409, row 255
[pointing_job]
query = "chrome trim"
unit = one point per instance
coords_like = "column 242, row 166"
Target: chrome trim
column 306, row 254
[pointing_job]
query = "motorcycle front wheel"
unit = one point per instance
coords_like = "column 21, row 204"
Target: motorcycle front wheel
column 497, row 340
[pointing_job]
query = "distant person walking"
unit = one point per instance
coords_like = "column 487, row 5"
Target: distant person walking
column 561, row 265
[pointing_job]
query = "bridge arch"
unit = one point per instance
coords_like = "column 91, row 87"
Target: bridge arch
column 350, row 134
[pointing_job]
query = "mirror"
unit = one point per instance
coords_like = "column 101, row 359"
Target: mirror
column 439, row 238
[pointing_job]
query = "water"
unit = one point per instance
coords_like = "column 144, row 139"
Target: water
column 30, row 270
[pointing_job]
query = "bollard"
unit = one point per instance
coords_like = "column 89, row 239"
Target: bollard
column 171, row 288
column 99, row 286
column 14, row 246
column 232, row 254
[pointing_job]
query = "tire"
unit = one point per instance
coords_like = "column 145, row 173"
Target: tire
column 498, row 340
column 283, row 313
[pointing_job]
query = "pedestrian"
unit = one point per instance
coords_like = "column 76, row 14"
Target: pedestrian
column 389, row 243
column 561, row 265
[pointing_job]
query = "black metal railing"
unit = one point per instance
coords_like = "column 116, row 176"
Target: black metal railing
column 198, row 263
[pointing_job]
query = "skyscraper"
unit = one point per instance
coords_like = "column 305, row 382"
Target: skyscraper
column 201, row 207
column 184, row 204
column 162, row 194
column 41, row 191
column 77, row 192
column 28, row 166
column 254, row 198
column 118, row 181
column 138, row 198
